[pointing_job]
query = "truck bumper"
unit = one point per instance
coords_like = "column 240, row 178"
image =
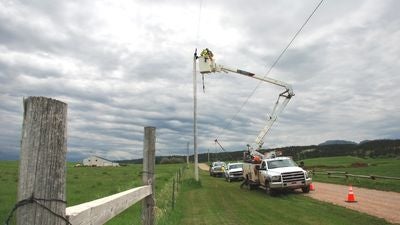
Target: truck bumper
column 293, row 185
column 236, row 177
column 218, row 173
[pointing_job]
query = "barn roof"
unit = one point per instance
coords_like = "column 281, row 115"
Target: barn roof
column 102, row 158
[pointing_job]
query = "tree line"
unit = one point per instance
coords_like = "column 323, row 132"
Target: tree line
column 365, row 149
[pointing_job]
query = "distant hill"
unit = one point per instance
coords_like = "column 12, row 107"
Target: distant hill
column 338, row 142
column 370, row 148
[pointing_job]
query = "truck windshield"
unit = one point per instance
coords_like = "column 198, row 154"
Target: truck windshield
column 218, row 164
column 234, row 166
column 281, row 163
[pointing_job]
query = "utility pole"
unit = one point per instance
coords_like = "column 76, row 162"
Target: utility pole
column 196, row 166
column 208, row 156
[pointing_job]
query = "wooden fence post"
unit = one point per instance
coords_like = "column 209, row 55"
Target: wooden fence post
column 42, row 162
column 177, row 182
column 173, row 193
column 148, row 205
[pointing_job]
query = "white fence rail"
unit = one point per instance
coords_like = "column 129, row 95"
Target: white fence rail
column 101, row 210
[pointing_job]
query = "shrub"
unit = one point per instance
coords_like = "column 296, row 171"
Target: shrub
column 172, row 160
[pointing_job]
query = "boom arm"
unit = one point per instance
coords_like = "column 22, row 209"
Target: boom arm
column 207, row 65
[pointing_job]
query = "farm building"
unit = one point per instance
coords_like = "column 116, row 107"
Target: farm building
column 98, row 161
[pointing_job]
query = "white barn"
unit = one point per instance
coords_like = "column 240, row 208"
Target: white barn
column 98, row 161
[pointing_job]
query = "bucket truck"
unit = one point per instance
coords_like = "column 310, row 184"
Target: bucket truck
column 266, row 171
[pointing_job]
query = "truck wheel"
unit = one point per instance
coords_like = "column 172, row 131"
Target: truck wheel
column 306, row 189
column 269, row 190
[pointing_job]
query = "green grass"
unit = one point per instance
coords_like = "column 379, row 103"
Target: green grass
column 379, row 166
column 89, row 183
column 8, row 187
column 215, row 201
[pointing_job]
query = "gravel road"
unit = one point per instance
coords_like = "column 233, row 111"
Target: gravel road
column 382, row 204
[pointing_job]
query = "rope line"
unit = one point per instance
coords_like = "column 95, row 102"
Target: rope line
column 33, row 200
column 270, row 69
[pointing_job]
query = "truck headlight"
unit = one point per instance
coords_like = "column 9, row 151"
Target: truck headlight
column 276, row 178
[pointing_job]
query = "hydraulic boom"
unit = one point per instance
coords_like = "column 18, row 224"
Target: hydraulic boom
column 207, row 65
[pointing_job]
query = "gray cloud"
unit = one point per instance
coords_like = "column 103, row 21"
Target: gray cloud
column 121, row 67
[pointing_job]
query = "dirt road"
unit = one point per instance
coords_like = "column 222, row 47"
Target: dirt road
column 203, row 166
column 382, row 204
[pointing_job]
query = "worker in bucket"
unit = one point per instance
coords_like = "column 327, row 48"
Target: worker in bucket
column 207, row 54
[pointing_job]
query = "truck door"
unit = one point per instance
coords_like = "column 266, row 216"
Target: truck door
column 262, row 172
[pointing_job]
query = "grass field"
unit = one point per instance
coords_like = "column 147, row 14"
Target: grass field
column 215, row 201
column 89, row 183
column 360, row 166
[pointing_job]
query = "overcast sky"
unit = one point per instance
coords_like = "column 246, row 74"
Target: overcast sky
column 123, row 65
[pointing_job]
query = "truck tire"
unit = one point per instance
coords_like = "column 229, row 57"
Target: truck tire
column 306, row 189
column 269, row 190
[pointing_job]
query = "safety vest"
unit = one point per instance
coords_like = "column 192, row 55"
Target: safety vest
column 204, row 53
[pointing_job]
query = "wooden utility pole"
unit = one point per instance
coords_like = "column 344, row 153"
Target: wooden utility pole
column 42, row 162
column 208, row 156
column 196, row 166
column 149, row 149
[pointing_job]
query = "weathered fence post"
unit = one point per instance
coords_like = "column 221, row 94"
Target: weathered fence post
column 148, row 205
column 42, row 162
column 173, row 193
column 177, row 182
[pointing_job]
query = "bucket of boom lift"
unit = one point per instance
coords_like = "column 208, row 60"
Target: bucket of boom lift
column 206, row 65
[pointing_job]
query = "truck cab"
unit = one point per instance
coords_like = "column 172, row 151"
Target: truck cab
column 277, row 174
column 217, row 169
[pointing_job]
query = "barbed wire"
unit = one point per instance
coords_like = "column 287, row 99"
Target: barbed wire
column 33, row 200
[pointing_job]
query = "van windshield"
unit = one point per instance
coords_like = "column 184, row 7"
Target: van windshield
column 281, row 163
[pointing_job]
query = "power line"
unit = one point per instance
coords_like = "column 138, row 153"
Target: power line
column 199, row 23
column 270, row 69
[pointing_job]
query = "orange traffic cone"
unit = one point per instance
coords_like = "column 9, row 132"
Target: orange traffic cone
column 312, row 188
column 350, row 196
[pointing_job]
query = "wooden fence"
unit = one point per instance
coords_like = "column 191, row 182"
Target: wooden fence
column 41, row 187
column 346, row 175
